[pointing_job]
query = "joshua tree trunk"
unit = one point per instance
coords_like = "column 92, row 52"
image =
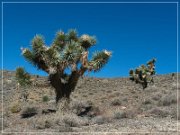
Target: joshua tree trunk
column 63, row 90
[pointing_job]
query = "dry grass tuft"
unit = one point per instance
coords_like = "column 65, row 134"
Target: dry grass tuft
column 168, row 100
column 29, row 112
column 15, row 108
column 116, row 102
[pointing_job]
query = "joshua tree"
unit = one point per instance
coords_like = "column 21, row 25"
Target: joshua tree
column 24, row 80
column 22, row 77
column 143, row 74
column 65, row 60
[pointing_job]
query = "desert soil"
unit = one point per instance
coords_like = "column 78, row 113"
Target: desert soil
column 98, row 106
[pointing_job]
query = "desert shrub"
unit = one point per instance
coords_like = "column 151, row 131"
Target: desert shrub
column 147, row 101
column 29, row 112
column 6, row 124
column 15, row 108
column 147, row 106
column 130, row 114
column 91, row 93
column 159, row 112
column 84, row 95
column 100, row 120
column 168, row 100
column 44, row 122
column 55, row 120
column 116, row 102
column 125, row 99
column 84, row 108
column 7, row 113
column 109, row 91
column 22, row 76
column 48, row 123
column 144, row 74
column 119, row 115
column 78, row 105
column 174, row 112
column 49, row 110
column 45, row 98
column 40, row 124
column 95, row 111
column 156, row 96
column 173, row 76
column 71, row 120
column 65, row 129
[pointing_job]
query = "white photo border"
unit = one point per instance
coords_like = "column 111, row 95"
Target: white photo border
column 17, row 2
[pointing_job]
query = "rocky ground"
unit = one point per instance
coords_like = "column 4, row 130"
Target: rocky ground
column 98, row 106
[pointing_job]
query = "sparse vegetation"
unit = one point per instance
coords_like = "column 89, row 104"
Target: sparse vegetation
column 40, row 124
column 144, row 74
column 119, row 110
column 43, row 123
column 132, row 113
column 175, row 113
column 71, row 120
column 168, row 100
column 82, row 108
column 159, row 112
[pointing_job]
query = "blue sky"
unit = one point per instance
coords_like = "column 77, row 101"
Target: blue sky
column 134, row 33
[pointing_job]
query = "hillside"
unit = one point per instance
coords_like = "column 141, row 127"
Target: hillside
column 97, row 105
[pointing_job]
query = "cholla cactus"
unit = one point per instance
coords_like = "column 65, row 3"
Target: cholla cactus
column 22, row 77
column 68, row 51
column 143, row 74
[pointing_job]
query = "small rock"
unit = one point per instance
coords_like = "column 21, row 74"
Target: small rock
column 52, row 101
column 123, row 107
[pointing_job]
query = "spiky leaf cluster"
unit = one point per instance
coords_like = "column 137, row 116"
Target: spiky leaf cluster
column 66, row 52
column 144, row 73
column 99, row 59
column 22, row 76
column 87, row 41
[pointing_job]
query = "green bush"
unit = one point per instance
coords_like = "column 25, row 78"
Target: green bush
column 22, row 76
column 45, row 99
column 15, row 108
column 29, row 112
